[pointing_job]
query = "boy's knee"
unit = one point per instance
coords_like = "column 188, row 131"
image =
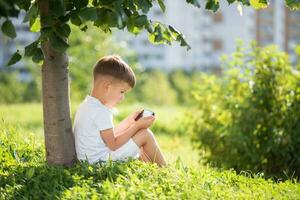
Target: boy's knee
column 150, row 132
column 146, row 133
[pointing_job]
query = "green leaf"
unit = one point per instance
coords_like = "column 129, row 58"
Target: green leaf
column 194, row 2
column 64, row 30
column 38, row 55
column 31, row 13
column 244, row 2
column 149, row 27
column 143, row 5
column 88, row 14
column 58, row 43
column 69, row 5
column 112, row 19
column 140, row 21
column 162, row 5
column 166, row 35
column 46, row 32
column 130, row 25
column 297, row 50
column 212, row 5
column 173, row 30
column 105, row 29
column 84, row 28
column 230, row 1
column 157, row 36
column 64, row 19
column 36, row 26
column 80, row 3
column 34, row 51
column 9, row 29
column 293, row 4
column 258, row 4
column 75, row 19
column 57, row 7
column 23, row 4
column 101, row 17
column 136, row 24
column 122, row 18
column 16, row 57
column 47, row 21
column 180, row 38
column 30, row 173
column 31, row 48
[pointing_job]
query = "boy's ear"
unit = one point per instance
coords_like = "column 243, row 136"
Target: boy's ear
column 107, row 84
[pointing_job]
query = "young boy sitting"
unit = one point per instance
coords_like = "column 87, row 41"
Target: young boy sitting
column 96, row 138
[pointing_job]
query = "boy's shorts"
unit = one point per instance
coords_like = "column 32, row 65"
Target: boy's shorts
column 129, row 149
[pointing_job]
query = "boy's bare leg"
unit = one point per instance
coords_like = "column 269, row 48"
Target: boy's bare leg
column 145, row 138
column 144, row 157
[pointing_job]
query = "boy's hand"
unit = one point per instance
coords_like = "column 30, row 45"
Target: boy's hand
column 130, row 119
column 145, row 122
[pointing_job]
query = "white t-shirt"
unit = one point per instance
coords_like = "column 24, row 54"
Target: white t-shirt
column 91, row 118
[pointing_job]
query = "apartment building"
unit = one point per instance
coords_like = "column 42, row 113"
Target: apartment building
column 209, row 34
column 278, row 25
column 213, row 34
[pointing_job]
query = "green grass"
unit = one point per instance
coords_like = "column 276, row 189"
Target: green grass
column 24, row 174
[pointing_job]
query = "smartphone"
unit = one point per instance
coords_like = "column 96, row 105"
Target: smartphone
column 144, row 113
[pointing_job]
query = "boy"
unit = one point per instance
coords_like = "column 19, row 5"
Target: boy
column 96, row 138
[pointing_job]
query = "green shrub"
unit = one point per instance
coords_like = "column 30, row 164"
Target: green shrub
column 249, row 120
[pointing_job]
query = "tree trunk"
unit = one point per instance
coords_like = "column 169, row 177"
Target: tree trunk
column 59, row 139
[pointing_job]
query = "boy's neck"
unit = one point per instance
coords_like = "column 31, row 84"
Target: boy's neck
column 97, row 96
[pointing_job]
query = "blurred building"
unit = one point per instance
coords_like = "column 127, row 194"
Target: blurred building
column 212, row 34
column 209, row 34
column 278, row 25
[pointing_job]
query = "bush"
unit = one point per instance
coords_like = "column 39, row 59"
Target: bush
column 249, row 120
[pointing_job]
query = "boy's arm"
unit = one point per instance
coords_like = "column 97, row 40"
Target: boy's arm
column 123, row 125
column 126, row 123
column 114, row 142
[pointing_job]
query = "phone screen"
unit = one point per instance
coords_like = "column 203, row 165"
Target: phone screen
column 148, row 113
column 144, row 113
column 139, row 115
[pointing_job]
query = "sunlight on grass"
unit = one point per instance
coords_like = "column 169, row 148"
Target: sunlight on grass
column 175, row 147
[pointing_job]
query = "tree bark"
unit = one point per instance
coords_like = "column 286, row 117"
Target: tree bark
column 59, row 139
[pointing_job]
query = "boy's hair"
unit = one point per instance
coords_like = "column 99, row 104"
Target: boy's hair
column 114, row 66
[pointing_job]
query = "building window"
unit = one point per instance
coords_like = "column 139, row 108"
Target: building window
column 217, row 44
column 217, row 17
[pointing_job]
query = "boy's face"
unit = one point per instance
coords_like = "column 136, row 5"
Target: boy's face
column 116, row 92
